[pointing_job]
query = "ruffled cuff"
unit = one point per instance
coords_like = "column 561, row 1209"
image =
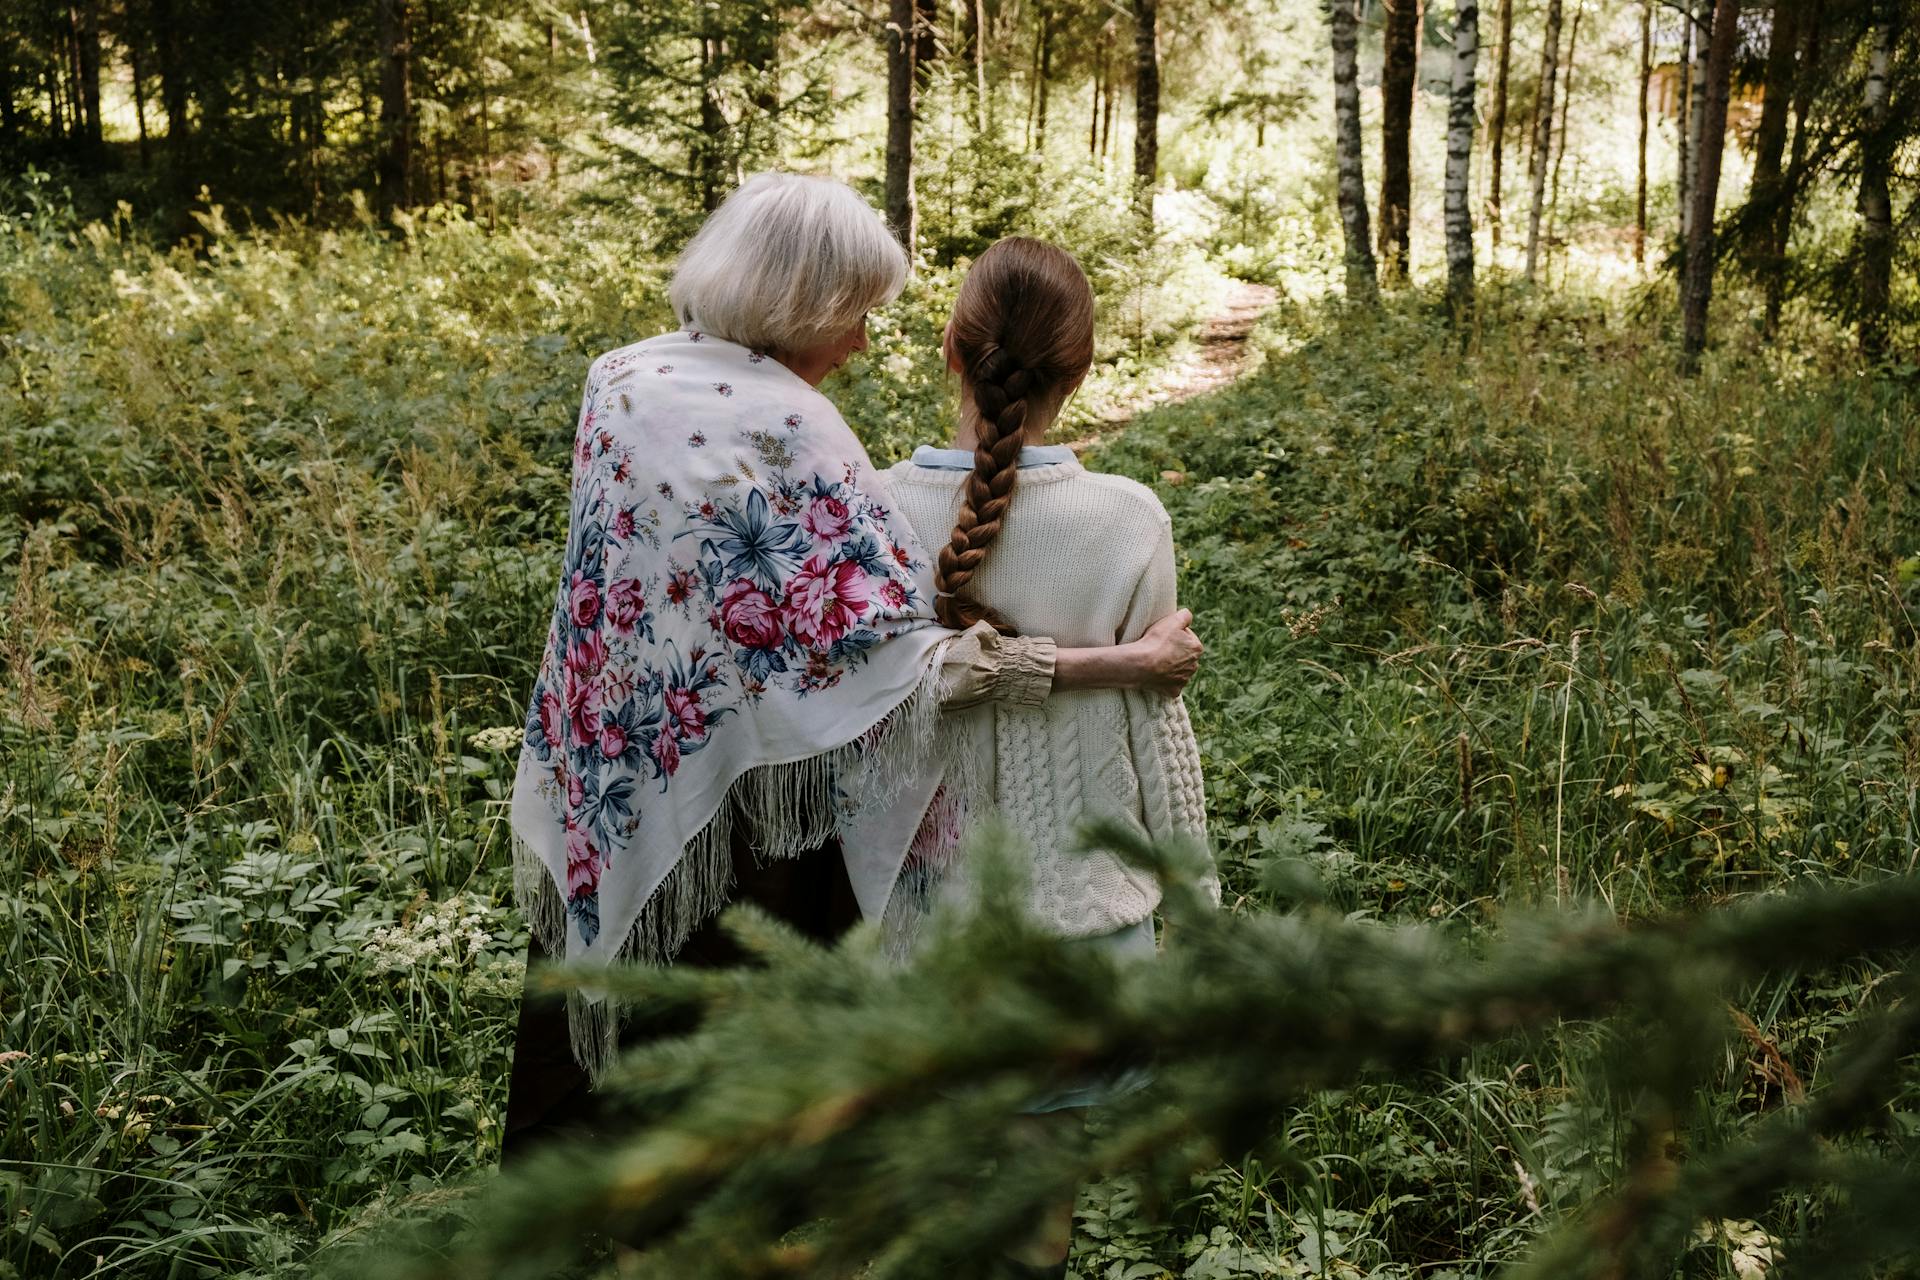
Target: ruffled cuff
column 1026, row 670
column 981, row 665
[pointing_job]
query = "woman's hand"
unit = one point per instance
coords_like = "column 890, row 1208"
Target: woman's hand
column 1163, row 659
column 1168, row 653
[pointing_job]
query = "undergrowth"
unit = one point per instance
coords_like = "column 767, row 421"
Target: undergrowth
column 1535, row 621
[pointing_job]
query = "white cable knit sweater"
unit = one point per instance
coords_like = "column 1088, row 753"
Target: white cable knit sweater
column 1087, row 559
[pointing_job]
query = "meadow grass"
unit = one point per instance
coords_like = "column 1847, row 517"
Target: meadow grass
column 1534, row 621
column 1539, row 622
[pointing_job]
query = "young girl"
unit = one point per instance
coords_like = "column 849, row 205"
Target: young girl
column 1036, row 544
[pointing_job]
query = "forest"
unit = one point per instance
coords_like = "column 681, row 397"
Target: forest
column 1535, row 393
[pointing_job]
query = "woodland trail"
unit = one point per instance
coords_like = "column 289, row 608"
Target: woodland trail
column 1219, row 356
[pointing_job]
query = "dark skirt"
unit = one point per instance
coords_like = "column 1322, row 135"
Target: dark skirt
column 548, row 1095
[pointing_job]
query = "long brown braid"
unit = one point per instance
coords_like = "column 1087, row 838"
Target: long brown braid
column 1023, row 334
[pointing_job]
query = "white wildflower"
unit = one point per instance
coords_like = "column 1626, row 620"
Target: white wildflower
column 500, row 738
column 440, row 934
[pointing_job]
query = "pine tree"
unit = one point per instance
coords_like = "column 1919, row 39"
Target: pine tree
column 807, row 1076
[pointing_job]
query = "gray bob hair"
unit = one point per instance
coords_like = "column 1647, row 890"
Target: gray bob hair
column 786, row 262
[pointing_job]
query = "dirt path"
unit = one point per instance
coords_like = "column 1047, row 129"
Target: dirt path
column 1217, row 359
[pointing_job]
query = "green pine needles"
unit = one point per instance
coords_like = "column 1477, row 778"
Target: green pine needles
column 835, row 1115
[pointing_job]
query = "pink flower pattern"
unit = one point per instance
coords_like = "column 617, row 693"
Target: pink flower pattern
column 793, row 577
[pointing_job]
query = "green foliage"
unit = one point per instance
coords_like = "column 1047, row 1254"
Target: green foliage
column 878, row 1102
column 1491, row 626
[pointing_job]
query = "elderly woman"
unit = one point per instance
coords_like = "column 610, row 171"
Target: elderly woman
column 741, row 689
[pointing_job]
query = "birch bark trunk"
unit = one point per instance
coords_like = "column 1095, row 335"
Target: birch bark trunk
column 1876, row 203
column 1459, row 213
column 1699, row 23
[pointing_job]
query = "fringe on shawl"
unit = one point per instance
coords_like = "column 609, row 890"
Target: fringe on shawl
column 791, row 808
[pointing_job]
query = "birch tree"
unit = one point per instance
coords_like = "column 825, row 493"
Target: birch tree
column 1542, row 136
column 1699, row 16
column 1466, row 52
column 1363, row 283
column 1697, row 280
column 1876, row 203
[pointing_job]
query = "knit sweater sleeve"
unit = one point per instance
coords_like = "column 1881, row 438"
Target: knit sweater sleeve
column 1160, row 734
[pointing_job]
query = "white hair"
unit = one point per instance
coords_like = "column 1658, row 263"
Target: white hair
column 786, row 262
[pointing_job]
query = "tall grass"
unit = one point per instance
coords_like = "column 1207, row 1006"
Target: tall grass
column 278, row 511
column 1540, row 621
column 1536, row 622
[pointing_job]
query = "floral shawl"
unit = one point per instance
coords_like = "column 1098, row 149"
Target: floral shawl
column 743, row 631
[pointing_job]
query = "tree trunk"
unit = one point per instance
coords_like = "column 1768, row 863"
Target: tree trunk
column 1106, row 112
column 173, row 92
column 1498, row 126
column 1542, row 136
column 396, row 107
column 1683, row 150
column 977, row 51
column 1640, row 172
column 139, row 97
column 70, row 61
column 8, row 125
column 1046, row 78
column 1146, row 107
column 1362, row 282
column 1093, row 112
column 1466, row 51
column 1805, row 81
column 1396, row 130
column 87, row 40
column 1697, row 92
column 1712, row 141
column 50, row 81
column 899, row 186
column 70, row 56
column 1033, row 87
column 1560, row 147
column 486, row 141
column 1876, row 203
column 1770, row 137
column 709, row 153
